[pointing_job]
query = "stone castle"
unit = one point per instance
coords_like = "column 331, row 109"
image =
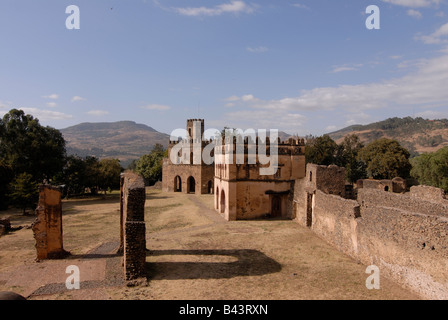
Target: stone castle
column 401, row 230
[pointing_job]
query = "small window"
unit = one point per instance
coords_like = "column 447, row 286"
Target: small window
column 311, row 176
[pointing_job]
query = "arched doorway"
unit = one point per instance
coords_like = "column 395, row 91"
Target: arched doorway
column 223, row 201
column 177, row 184
column 276, row 206
column 191, row 185
column 217, row 198
column 210, row 187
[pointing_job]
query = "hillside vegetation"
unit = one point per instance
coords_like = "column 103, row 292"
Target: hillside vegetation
column 418, row 135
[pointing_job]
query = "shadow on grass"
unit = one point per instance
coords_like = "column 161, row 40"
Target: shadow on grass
column 249, row 263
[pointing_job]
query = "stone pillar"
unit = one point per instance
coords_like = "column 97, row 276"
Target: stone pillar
column 47, row 227
column 133, row 229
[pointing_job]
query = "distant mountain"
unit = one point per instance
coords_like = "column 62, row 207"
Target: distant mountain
column 124, row 140
column 418, row 135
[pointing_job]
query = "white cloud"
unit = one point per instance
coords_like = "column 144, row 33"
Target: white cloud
column 232, row 98
column 431, row 114
column 423, row 87
column 46, row 115
column 342, row 69
column 257, row 49
column 78, row 98
column 98, row 113
column 331, row 128
column 51, row 104
column 414, row 13
column 440, row 36
column 301, row 6
column 414, row 3
column 158, row 107
column 266, row 119
column 234, row 7
column 396, row 57
column 53, row 96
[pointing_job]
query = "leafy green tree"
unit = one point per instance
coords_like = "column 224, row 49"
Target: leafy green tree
column 6, row 176
column 149, row 166
column 109, row 174
column 321, row 150
column 92, row 174
column 432, row 169
column 24, row 191
column 28, row 147
column 385, row 159
column 73, row 176
column 348, row 158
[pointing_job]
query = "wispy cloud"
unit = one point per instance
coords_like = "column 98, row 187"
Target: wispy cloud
column 257, row 49
column 233, row 7
column 342, row 69
column 414, row 13
column 414, row 3
column 78, row 98
column 51, row 104
column 46, row 115
column 301, row 6
column 440, row 36
column 53, row 96
column 158, row 107
column 423, row 87
column 346, row 67
column 98, row 113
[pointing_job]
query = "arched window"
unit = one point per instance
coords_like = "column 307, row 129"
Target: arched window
column 210, row 187
column 191, row 185
column 223, row 201
column 217, row 197
column 177, row 184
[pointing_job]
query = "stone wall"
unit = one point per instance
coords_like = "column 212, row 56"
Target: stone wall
column 47, row 227
column 405, row 235
column 133, row 229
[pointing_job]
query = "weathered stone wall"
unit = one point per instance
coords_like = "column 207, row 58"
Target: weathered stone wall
column 47, row 227
column 429, row 194
column 133, row 230
column 203, row 174
column 405, row 235
column 249, row 194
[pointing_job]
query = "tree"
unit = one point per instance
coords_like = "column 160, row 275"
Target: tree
column 6, row 176
column 432, row 169
column 26, row 146
column 385, row 159
column 24, row 191
column 149, row 166
column 348, row 158
column 73, row 176
column 109, row 174
column 321, row 150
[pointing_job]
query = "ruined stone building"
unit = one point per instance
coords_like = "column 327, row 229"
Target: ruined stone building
column 242, row 192
column 403, row 233
column 189, row 174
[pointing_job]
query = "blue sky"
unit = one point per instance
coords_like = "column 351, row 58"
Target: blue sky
column 302, row 66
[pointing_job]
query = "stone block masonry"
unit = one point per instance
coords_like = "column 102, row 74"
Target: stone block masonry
column 404, row 234
column 133, row 229
column 47, row 227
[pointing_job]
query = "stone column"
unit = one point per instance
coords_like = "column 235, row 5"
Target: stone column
column 133, row 229
column 47, row 227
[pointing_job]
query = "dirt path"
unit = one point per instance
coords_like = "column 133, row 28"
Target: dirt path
column 193, row 254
